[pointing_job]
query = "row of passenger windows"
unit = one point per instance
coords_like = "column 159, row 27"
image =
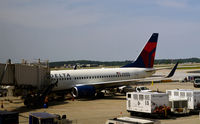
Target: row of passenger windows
column 92, row 77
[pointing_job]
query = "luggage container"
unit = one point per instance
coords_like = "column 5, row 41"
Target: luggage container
column 192, row 97
column 148, row 102
column 7, row 117
column 41, row 118
column 179, row 106
column 46, row 118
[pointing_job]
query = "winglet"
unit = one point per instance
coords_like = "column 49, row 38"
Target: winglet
column 172, row 71
column 146, row 57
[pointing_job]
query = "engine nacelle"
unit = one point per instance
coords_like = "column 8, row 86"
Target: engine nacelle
column 84, row 91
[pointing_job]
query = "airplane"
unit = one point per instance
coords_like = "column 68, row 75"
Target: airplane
column 85, row 83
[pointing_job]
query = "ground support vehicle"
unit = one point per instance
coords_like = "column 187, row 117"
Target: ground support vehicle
column 192, row 97
column 148, row 103
column 179, row 106
column 197, row 82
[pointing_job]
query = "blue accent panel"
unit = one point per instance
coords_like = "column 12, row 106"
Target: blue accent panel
column 154, row 37
column 138, row 63
column 86, row 91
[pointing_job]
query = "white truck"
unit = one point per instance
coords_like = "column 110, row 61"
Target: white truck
column 148, row 102
column 125, row 89
column 142, row 89
column 196, row 82
column 191, row 96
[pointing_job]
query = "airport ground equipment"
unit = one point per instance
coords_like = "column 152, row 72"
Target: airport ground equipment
column 7, row 117
column 142, row 89
column 179, row 106
column 192, row 96
column 128, row 120
column 125, row 89
column 4, row 71
column 37, row 99
column 24, row 76
column 148, row 103
column 31, row 81
column 46, row 118
column 197, row 82
column 41, row 118
column 192, row 78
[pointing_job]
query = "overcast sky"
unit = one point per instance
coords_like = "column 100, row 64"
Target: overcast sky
column 105, row 30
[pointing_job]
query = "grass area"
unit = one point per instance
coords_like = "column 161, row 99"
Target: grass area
column 189, row 67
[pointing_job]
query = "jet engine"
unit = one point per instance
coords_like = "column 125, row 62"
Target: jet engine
column 84, row 91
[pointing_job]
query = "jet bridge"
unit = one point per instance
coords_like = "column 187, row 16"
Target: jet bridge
column 32, row 82
column 24, row 76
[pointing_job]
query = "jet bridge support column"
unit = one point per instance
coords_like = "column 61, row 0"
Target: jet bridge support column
column 4, row 71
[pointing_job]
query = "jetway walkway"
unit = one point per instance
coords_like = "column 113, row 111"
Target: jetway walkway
column 23, row 75
column 32, row 82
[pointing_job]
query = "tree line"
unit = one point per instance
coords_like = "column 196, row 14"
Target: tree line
column 120, row 63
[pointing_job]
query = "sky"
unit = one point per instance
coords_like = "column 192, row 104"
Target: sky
column 102, row 30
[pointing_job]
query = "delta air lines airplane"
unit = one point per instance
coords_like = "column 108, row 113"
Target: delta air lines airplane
column 86, row 83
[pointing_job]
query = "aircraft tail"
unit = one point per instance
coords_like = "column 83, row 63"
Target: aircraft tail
column 147, row 56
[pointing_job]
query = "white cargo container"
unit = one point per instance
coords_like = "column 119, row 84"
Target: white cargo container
column 147, row 102
column 179, row 106
column 192, row 97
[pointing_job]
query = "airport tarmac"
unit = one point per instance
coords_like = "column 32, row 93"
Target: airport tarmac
column 99, row 110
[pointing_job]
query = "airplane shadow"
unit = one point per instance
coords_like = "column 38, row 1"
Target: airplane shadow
column 24, row 108
column 158, row 75
column 104, row 98
column 158, row 117
column 114, row 98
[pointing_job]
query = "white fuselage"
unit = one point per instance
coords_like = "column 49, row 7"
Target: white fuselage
column 68, row 79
